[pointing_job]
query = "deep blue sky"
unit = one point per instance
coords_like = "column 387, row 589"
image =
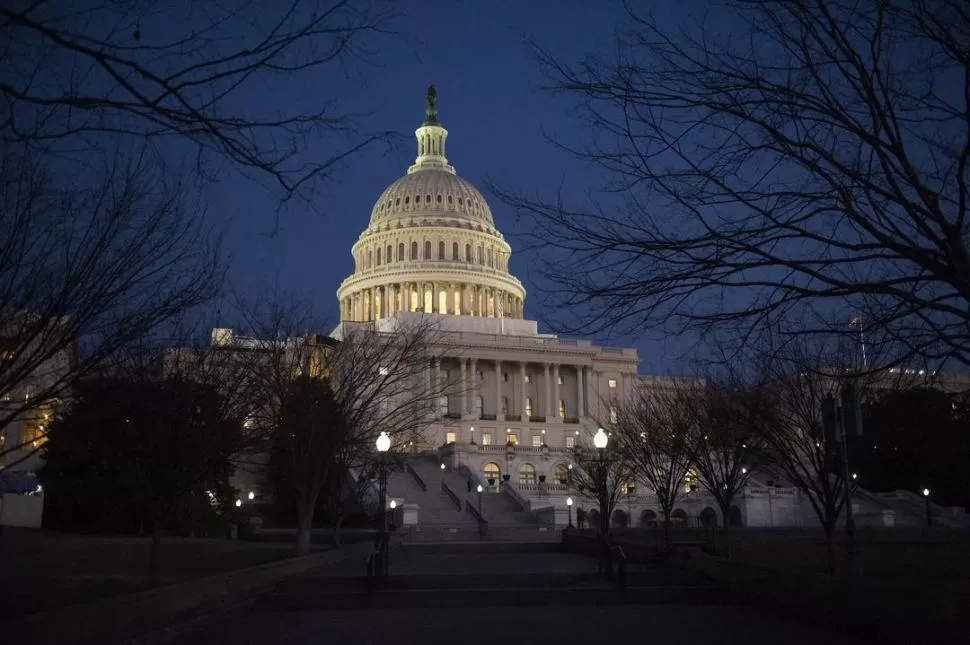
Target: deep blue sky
column 492, row 103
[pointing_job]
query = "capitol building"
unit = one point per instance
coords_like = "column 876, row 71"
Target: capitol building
column 523, row 399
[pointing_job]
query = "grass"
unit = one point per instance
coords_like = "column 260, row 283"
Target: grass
column 43, row 570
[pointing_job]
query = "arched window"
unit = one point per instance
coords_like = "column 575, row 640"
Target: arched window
column 400, row 252
column 454, row 251
column 527, row 474
column 414, row 250
column 370, row 259
column 560, row 475
column 441, row 250
column 427, row 250
column 388, row 254
column 468, row 253
column 481, row 258
column 490, row 257
column 492, row 471
column 378, row 256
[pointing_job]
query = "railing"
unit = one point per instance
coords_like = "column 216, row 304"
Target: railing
column 417, row 477
column 487, row 417
column 451, row 494
column 513, row 417
column 536, row 419
column 453, row 415
column 570, row 420
column 482, row 523
column 543, row 488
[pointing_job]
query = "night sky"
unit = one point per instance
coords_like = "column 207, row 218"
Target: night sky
column 491, row 100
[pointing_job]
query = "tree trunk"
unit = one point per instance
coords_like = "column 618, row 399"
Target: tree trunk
column 666, row 530
column 304, row 525
column 831, row 552
column 338, row 522
column 726, row 523
column 155, row 553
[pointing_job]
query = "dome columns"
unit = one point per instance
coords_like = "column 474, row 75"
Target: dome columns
column 444, row 297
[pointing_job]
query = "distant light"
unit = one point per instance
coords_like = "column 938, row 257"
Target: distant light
column 480, row 489
column 238, row 503
column 570, row 466
column 569, row 501
column 393, row 504
column 383, row 442
column 744, row 471
column 40, row 488
column 251, row 496
column 383, row 371
column 855, row 475
column 442, row 466
column 600, row 439
column 926, row 492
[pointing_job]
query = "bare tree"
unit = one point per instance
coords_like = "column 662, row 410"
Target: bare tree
column 651, row 432
column 797, row 380
column 327, row 399
column 723, row 443
column 86, row 268
column 776, row 163
column 80, row 73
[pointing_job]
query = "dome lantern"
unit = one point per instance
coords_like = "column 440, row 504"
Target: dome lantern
column 431, row 139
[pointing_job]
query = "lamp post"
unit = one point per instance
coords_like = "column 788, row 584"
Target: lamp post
column 383, row 445
column 929, row 516
column 600, row 440
column 569, row 507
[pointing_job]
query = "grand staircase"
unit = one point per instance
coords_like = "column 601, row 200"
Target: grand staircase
column 447, row 504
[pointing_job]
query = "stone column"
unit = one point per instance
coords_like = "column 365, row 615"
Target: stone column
column 581, row 391
column 498, row 391
column 525, row 391
column 435, row 300
column 464, row 387
column 548, row 380
column 555, row 392
column 472, row 390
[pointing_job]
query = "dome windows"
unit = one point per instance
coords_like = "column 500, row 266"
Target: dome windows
column 397, row 202
column 459, row 201
column 414, row 250
column 407, row 200
column 400, row 252
column 439, row 198
column 454, row 251
column 450, row 199
column 427, row 250
column 427, row 198
column 417, row 199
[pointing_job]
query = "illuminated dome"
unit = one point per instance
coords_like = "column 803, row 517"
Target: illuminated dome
column 431, row 245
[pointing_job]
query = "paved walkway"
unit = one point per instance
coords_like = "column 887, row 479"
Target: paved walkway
column 655, row 625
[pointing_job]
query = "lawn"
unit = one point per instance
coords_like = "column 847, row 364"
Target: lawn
column 43, row 570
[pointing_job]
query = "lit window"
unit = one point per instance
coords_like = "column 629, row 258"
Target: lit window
column 570, row 441
column 690, row 482
column 527, row 474
column 537, row 441
column 492, row 471
column 449, row 437
column 612, row 383
column 562, row 409
column 512, row 437
column 34, row 435
column 560, row 380
column 528, row 407
column 486, row 438
column 528, row 378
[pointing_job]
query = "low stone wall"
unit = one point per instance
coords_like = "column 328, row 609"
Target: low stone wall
column 893, row 614
column 116, row 617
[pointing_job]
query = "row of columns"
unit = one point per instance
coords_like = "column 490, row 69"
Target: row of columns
column 459, row 298
column 469, row 367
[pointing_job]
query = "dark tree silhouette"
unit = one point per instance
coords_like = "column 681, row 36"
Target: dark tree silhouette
column 160, row 444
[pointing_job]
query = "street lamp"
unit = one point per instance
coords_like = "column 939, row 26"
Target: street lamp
column 471, row 432
column 480, row 489
column 600, row 440
column 569, row 507
column 383, row 445
column 251, row 496
column 929, row 516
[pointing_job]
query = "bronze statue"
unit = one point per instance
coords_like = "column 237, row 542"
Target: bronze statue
column 432, row 113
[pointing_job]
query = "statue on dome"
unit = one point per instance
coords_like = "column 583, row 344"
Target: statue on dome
column 432, row 112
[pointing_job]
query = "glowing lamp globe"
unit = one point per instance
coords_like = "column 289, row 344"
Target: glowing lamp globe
column 569, row 501
column 480, row 489
column 393, row 504
column 926, row 492
column 383, row 443
column 600, row 439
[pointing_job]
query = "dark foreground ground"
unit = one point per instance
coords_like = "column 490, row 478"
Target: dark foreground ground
column 473, row 594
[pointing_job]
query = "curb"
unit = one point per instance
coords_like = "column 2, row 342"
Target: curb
column 116, row 617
